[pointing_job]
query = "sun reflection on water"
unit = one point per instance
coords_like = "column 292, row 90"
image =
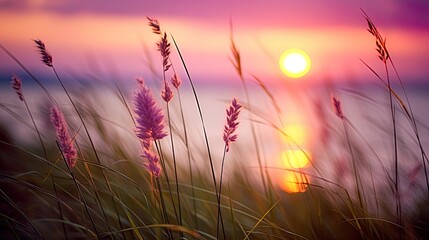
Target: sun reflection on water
column 294, row 182
column 296, row 156
column 295, row 134
column 293, row 161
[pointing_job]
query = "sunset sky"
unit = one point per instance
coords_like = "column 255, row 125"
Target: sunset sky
column 110, row 36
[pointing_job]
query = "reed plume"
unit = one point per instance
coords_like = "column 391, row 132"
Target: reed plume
column 231, row 123
column 152, row 165
column 337, row 107
column 155, row 25
column 339, row 112
column 164, row 48
column 63, row 137
column 140, row 81
column 176, row 81
column 150, row 118
column 46, row 56
column 16, row 84
column 380, row 42
column 166, row 92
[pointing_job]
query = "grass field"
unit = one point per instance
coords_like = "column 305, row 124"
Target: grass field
column 154, row 175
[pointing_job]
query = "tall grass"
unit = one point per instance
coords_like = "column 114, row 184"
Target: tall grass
column 119, row 187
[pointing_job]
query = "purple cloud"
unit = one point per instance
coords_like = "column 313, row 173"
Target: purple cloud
column 410, row 14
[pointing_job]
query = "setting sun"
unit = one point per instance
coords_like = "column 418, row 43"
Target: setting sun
column 295, row 63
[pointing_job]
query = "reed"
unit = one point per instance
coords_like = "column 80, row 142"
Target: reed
column 121, row 189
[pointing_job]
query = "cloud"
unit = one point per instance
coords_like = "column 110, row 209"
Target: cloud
column 409, row 14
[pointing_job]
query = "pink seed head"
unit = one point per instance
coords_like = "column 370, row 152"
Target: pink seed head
column 140, row 81
column 150, row 126
column 46, row 56
column 16, row 84
column 231, row 123
column 176, row 81
column 152, row 164
column 337, row 107
column 166, row 92
column 164, row 48
column 63, row 137
column 155, row 25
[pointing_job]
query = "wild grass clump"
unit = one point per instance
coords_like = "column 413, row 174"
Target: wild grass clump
column 150, row 176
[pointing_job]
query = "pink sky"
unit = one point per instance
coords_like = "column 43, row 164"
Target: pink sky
column 87, row 35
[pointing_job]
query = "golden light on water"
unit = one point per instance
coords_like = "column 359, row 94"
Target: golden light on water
column 295, row 134
column 295, row 158
column 294, row 182
column 295, row 63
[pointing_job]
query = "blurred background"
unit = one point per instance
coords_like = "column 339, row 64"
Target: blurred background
column 105, row 35
column 97, row 45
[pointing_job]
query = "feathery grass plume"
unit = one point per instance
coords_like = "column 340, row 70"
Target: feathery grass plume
column 150, row 119
column 46, row 56
column 337, row 107
column 63, row 136
column 166, row 92
column 231, row 123
column 16, row 84
column 176, row 81
column 140, row 81
column 379, row 41
column 164, row 48
column 155, row 25
column 236, row 60
column 384, row 56
column 339, row 112
column 152, row 165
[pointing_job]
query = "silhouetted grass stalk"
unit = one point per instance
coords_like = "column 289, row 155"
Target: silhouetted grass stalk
column 167, row 95
column 413, row 123
column 164, row 209
column 384, row 56
column 219, row 210
column 85, row 204
column 339, row 112
column 47, row 59
column 17, row 61
column 176, row 82
column 355, row 168
column 229, row 136
column 395, row 149
column 236, row 61
column 15, row 206
column 164, row 48
column 202, row 124
column 175, row 167
column 106, row 180
column 188, row 153
column 162, row 160
column 16, row 82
